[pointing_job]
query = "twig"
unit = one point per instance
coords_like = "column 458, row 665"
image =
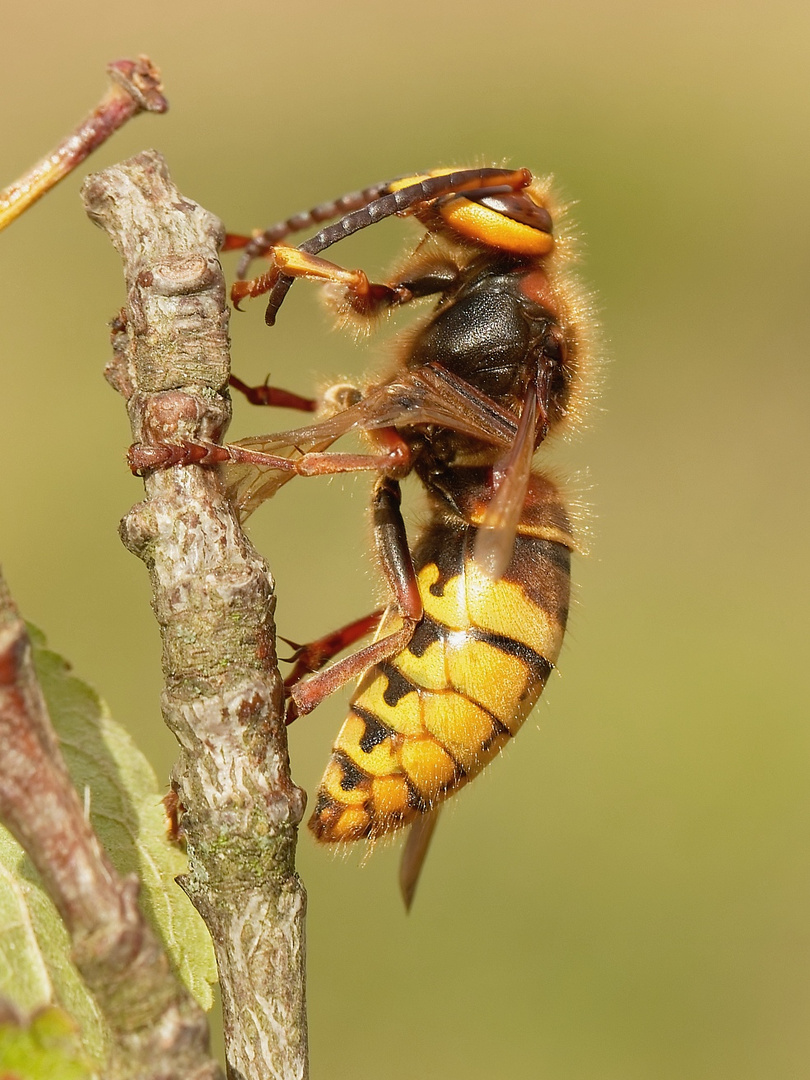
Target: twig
column 158, row 1031
column 214, row 603
column 134, row 87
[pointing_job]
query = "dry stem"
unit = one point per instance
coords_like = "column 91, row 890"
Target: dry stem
column 213, row 600
column 134, row 87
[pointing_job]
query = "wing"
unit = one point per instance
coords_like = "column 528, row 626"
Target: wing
column 429, row 395
column 495, row 539
column 413, row 853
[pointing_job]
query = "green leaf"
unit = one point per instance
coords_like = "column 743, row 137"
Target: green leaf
column 24, row 974
column 125, row 804
column 46, row 1048
column 35, row 962
column 124, row 801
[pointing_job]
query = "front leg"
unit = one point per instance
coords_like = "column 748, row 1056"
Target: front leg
column 365, row 298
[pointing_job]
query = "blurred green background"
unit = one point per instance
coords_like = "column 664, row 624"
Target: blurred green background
column 626, row 894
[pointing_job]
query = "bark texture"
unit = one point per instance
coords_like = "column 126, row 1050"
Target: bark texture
column 158, row 1032
column 213, row 599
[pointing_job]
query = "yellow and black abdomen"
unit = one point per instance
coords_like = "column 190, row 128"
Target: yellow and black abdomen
column 425, row 722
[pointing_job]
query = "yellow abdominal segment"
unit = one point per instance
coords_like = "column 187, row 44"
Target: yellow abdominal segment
column 427, row 721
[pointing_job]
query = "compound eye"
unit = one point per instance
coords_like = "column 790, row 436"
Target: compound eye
column 519, row 207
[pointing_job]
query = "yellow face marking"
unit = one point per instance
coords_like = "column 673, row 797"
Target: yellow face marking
column 429, row 768
column 389, row 797
column 460, row 726
column 494, row 229
column 489, row 676
column 405, row 717
column 480, row 223
column 381, row 761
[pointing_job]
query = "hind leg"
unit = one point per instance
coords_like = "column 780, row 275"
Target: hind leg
column 395, row 559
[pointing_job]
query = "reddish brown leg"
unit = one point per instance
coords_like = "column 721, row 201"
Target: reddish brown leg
column 273, row 395
column 312, row 657
column 236, row 241
column 366, row 297
column 395, row 558
column 391, row 541
column 309, row 693
column 143, row 457
column 255, row 287
column 395, row 461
